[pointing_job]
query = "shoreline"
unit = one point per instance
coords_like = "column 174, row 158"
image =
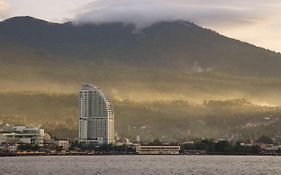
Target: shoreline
column 191, row 155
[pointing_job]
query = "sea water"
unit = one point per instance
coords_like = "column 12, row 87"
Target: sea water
column 140, row 165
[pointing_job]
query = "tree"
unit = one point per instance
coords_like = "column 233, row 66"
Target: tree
column 155, row 142
column 223, row 146
column 264, row 139
column 28, row 147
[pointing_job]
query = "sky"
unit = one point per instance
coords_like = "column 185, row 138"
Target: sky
column 254, row 21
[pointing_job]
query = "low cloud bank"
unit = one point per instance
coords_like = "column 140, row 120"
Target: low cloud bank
column 143, row 13
column 255, row 21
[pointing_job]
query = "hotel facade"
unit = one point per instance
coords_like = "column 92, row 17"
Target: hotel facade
column 96, row 120
column 22, row 134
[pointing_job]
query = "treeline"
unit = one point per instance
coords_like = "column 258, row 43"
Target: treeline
column 36, row 147
column 103, row 149
column 212, row 146
column 222, row 147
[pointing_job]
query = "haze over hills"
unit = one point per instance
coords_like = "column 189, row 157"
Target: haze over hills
column 167, row 64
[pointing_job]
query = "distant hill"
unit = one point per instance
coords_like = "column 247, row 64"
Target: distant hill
column 117, row 57
column 169, row 120
column 159, row 65
column 179, row 45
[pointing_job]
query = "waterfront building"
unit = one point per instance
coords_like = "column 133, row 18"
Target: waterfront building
column 158, row 150
column 22, row 134
column 63, row 143
column 274, row 150
column 7, row 148
column 96, row 120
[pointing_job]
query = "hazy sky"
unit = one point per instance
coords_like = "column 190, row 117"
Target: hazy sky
column 254, row 21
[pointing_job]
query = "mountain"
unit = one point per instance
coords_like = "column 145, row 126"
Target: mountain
column 192, row 58
column 175, row 45
column 161, row 65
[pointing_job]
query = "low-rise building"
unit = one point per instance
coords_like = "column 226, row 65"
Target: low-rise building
column 22, row 134
column 5, row 147
column 63, row 143
column 158, row 150
column 271, row 150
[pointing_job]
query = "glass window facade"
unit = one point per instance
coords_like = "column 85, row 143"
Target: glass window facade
column 96, row 123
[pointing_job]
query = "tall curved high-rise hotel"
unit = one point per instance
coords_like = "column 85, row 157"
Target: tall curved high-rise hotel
column 96, row 123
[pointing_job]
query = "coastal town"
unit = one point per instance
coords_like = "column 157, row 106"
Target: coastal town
column 96, row 137
column 22, row 141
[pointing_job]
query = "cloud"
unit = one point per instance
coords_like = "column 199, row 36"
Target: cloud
column 255, row 21
column 199, row 69
column 145, row 12
column 4, row 9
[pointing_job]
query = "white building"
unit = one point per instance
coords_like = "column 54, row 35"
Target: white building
column 63, row 143
column 22, row 134
column 158, row 150
column 96, row 122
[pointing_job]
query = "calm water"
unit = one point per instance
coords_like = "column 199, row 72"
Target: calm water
column 137, row 165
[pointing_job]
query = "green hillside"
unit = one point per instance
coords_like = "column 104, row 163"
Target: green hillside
column 172, row 79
